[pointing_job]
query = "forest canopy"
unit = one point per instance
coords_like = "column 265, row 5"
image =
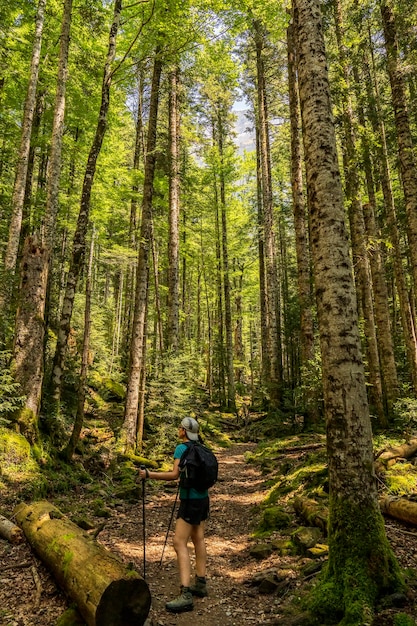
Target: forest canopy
column 211, row 204
column 155, row 206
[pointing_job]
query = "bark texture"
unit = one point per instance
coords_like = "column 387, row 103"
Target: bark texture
column 138, row 334
column 106, row 591
column 268, row 226
column 357, row 224
column 10, row 531
column 305, row 294
column 231, row 389
column 174, row 216
column 407, row 320
column 390, row 456
column 79, row 241
column 400, row 508
column 54, row 163
column 23, row 158
column 312, row 513
column 29, row 335
column 79, row 418
column 354, row 512
column 374, row 246
column 406, row 152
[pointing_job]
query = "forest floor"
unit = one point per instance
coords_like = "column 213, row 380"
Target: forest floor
column 29, row 596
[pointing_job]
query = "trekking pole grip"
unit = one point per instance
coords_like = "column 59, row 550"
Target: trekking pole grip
column 145, row 469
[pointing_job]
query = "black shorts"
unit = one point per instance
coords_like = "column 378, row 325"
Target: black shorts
column 194, row 510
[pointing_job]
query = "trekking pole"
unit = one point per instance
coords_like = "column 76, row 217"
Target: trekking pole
column 142, row 467
column 169, row 524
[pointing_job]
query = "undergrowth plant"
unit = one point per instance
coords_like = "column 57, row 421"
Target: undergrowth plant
column 10, row 398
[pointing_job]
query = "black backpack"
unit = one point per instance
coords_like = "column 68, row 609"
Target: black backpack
column 198, row 466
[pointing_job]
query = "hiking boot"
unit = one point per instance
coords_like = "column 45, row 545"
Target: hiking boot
column 184, row 602
column 199, row 588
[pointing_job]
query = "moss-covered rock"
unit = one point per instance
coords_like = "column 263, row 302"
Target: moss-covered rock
column 284, row 547
column 306, row 537
column 261, row 551
column 274, row 518
column 318, row 551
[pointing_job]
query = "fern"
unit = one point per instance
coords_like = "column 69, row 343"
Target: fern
column 10, row 400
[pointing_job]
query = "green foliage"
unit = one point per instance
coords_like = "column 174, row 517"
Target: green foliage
column 405, row 415
column 19, row 470
column 400, row 479
column 10, row 400
column 402, row 619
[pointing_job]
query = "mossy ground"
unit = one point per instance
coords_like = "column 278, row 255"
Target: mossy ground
column 360, row 572
column 293, row 466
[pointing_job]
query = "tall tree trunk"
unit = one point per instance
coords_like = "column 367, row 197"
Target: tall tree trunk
column 231, row 390
column 142, row 275
column 354, row 511
column 239, row 349
column 158, row 312
column 79, row 418
column 301, row 233
column 27, row 218
column 45, row 251
column 357, row 226
column 118, row 313
column 406, row 151
column 265, row 363
column 18, row 197
column 219, row 292
column 380, row 289
column 142, row 388
column 29, row 334
column 407, row 319
column 79, row 241
column 174, row 215
column 54, row 162
column 138, row 158
column 274, row 345
column 209, row 368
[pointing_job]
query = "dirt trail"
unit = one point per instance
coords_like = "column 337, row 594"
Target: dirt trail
column 233, row 501
column 30, row 597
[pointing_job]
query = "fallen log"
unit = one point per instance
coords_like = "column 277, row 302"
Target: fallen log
column 386, row 458
column 106, row 591
column 10, row 531
column 400, row 508
column 312, row 513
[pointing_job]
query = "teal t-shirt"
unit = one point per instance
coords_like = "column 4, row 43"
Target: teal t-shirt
column 192, row 494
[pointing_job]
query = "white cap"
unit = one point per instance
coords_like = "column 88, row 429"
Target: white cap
column 191, row 428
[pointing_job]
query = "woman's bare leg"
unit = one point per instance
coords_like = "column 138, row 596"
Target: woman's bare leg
column 182, row 533
column 197, row 537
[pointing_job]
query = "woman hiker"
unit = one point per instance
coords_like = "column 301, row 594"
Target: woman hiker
column 192, row 514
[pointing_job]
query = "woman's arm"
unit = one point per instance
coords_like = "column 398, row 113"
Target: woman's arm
column 171, row 475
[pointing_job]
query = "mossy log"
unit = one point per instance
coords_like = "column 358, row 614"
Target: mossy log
column 389, row 457
column 137, row 460
column 106, row 591
column 400, row 508
column 10, row 531
column 312, row 512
